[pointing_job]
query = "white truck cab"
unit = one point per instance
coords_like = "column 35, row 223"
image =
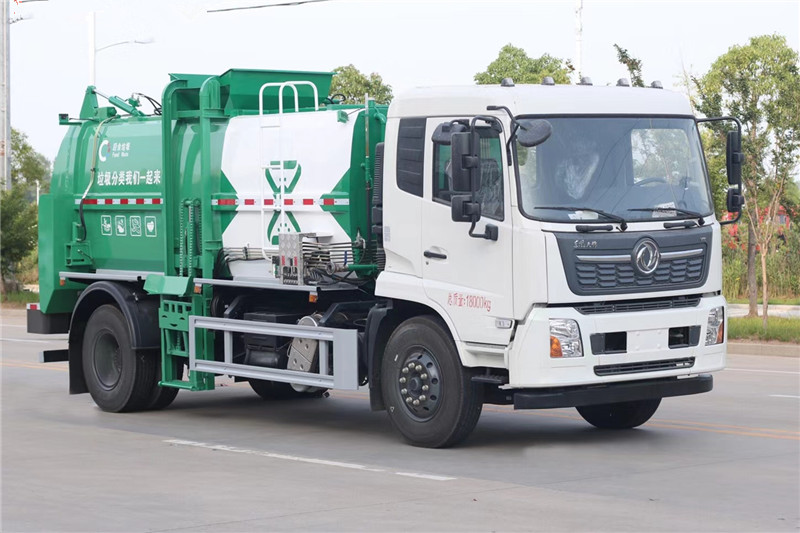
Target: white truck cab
column 585, row 255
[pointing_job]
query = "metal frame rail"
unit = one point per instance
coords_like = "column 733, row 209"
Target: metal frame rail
column 343, row 342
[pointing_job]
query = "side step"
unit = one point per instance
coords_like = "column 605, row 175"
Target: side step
column 343, row 342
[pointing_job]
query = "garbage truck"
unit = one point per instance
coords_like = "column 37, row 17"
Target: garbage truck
column 541, row 246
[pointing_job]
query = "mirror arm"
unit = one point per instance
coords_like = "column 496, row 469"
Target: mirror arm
column 514, row 124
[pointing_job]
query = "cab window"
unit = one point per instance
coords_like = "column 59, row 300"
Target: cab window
column 490, row 194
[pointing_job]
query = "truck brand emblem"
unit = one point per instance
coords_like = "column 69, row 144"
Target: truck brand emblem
column 584, row 244
column 645, row 257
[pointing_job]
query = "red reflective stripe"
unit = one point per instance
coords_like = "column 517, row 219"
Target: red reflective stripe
column 123, row 201
column 227, row 201
column 328, row 201
column 140, row 200
column 90, row 201
column 249, row 201
column 269, row 201
column 288, row 201
column 33, row 307
column 156, row 201
column 308, row 201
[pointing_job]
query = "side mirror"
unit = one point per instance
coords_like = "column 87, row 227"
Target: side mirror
column 444, row 131
column 735, row 200
column 463, row 161
column 463, row 209
column 534, row 133
column 734, row 159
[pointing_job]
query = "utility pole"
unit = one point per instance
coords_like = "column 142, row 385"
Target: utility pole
column 5, row 107
column 578, row 39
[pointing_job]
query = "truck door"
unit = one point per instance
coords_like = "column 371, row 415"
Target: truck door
column 469, row 277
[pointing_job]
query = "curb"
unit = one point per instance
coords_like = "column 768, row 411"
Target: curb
column 780, row 350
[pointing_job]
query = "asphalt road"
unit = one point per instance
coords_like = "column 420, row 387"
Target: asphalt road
column 226, row 460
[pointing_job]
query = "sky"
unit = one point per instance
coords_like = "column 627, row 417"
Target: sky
column 409, row 43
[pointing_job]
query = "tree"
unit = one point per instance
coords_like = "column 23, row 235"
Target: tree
column 27, row 165
column 349, row 82
column 760, row 84
column 18, row 212
column 17, row 231
column 633, row 65
column 514, row 63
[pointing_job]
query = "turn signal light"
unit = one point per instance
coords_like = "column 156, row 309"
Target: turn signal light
column 555, row 347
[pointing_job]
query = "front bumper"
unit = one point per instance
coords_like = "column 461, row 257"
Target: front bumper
column 611, row 393
column 647, row 355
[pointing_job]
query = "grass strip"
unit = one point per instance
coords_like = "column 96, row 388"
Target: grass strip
column 751, row 329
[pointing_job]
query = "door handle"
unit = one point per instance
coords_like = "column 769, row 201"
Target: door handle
column 434, row 255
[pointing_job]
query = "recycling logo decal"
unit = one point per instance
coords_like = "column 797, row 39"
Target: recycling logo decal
column 275, row 226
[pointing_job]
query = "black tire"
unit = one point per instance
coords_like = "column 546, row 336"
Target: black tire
column 162, row 397
column 275, row 390
column 623, row 415
column 118, row 378
column 421, row 352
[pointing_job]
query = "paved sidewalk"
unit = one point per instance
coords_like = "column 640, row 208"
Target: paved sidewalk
column 787, row 311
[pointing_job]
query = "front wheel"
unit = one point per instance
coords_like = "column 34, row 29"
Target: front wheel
column 624, row 415
column 431, row 399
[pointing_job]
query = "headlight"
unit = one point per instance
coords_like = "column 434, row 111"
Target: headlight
column 565, row 338
column 715, row 330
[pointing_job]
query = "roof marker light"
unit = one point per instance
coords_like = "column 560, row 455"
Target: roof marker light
column 506, row 82
column 547, row 80
column 623, row 82
column 586, row 80
column 656, row 85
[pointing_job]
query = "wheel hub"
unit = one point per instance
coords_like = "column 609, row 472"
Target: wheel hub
column 107, row 361
column 419, row 384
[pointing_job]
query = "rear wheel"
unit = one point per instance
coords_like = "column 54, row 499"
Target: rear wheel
column 431, row 399
column 623, row 415
column 118, row 378
column 162, row 397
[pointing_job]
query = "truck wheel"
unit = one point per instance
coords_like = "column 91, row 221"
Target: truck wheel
column 276, row 390
column 431, row 399
column 118, row 378
column 162, row 397
column 623, row 415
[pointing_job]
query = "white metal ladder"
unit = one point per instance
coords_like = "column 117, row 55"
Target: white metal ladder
column 280, row 167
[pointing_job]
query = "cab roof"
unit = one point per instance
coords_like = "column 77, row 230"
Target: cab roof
column 539, row 100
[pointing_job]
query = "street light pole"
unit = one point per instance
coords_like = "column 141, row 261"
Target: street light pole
column 93, row 49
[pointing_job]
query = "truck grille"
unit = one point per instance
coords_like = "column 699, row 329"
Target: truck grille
column 644, row 366
column 603, row 263
column 618, row 275
column 627, row 306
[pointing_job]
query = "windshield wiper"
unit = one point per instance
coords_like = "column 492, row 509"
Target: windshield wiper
column 614, row 218
column 685, row 212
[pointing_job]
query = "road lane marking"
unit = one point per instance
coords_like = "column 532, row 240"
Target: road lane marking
column 7, row 339
column 784, row 396
column 34, row 366
column 299, row 459
column 425, row 476
column 763, row 371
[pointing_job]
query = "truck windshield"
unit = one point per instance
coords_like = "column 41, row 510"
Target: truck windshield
column 638, row 169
